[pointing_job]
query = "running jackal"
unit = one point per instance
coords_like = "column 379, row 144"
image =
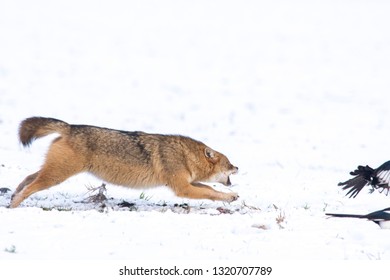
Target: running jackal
column 132, row 159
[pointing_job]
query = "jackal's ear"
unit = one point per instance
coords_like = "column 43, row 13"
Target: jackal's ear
column 210, row 155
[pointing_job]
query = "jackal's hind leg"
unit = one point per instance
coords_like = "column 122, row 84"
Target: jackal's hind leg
column 28, row 180
column 42, row 180
column 60, row 164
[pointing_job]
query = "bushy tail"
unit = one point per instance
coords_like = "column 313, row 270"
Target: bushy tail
column 36, row 127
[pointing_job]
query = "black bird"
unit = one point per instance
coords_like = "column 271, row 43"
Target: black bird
column 381, row 217
column 378, row 178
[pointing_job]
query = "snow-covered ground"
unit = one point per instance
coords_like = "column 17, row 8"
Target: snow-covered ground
column 295, row 93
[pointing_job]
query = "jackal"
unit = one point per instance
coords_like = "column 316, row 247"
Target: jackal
column 133, row 159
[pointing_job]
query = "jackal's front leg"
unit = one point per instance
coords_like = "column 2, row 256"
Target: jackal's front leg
column 200, row 191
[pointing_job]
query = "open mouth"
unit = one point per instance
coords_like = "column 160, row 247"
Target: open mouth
column 228, row 182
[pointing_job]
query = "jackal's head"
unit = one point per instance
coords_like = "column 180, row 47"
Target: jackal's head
column 222, row 168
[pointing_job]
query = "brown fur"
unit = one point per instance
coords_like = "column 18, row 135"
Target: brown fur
column 132, row 159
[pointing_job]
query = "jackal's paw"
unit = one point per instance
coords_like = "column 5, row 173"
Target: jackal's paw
column 16, row 199
column 230, row 197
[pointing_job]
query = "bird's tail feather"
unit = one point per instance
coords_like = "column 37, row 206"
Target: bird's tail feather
column 345, row 215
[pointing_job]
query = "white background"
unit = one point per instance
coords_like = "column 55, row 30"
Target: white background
column 295, row 93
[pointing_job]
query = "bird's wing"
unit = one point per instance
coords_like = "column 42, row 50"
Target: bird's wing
column 356, row 184
column 364, row 175
column 381, row 215
column 382, row 177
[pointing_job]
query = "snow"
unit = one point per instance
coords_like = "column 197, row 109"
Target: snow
column 295, row 93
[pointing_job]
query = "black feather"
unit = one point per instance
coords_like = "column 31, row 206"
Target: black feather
column 379, row 217
column 367, row 176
